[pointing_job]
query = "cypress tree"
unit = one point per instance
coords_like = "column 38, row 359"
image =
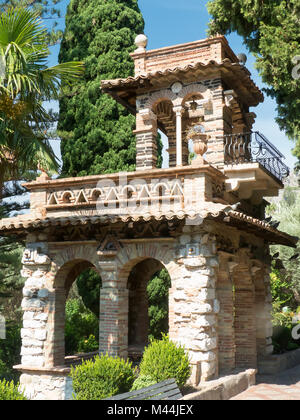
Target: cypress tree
column 96, row 132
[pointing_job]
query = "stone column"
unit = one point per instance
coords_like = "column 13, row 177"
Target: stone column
column 146, row 140
column 41, row 378
column 193, row 306
column 226, row 339
column 178, row 111
column 35, row 305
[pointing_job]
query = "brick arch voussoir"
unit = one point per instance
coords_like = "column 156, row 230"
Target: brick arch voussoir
column 65, row 262
column 132, row 254
column 163, row 95
column 189, row 90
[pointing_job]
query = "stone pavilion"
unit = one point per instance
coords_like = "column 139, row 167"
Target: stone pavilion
column 202, row 218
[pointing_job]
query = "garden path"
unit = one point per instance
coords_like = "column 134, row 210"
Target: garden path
column 283, row 386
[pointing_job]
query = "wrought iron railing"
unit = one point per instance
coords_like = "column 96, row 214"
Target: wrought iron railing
column 254, row 147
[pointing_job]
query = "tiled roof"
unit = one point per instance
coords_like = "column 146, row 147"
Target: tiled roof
column 219, row 212
column 239, row 71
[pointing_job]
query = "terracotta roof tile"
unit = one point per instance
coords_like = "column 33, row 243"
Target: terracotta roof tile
column 135, row 82
column 214, row 211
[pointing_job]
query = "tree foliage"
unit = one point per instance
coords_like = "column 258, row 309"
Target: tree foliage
column 96, row 132
column 88, row 285
column 285, row 281
column 25, row 83
column 158, row 300
column 82, row 328
column 270, row 30
column 47, row 9
column 11, row 248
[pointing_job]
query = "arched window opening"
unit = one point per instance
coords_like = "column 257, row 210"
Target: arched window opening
column 148, row 285
column 76, row 316
column 82, row 314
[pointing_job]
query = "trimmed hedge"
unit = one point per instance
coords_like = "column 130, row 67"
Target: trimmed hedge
column 163, row 360
column 143, row 382
column 102, row 377
column 9, row 391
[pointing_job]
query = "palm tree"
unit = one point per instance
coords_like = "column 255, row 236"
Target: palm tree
column 25, row 84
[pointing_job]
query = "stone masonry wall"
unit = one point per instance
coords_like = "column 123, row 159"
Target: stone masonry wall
column 45, row 386
column 35, row 304
column 193, row 305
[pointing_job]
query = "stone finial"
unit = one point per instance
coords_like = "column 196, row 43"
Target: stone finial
column 141, row 42
column 44, row 175
column 242, row 58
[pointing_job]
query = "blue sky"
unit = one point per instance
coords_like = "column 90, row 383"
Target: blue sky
column 170, row 22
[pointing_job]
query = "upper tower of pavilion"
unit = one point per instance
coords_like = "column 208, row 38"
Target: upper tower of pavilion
column 199, row 93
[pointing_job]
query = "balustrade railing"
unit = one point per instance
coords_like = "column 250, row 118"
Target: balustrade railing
column 254, row 147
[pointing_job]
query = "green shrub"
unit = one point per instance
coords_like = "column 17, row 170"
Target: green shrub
column 164, row 359
column 10, row 349
column 102, row 377
column 292, row 346
column 89, row 284
column 281, row 337
column 81, row 323
column 87, row 345
column 142, row 382
column 9, row 391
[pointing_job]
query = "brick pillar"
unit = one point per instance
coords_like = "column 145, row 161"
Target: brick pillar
column 113, row 334
column 245, row 320
column 216, row 126
column 172, row 149
column 263, row 312
column 185, row 152
column 193, row 307
column 55, row 345
column 226, row 339
column 146, row 140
